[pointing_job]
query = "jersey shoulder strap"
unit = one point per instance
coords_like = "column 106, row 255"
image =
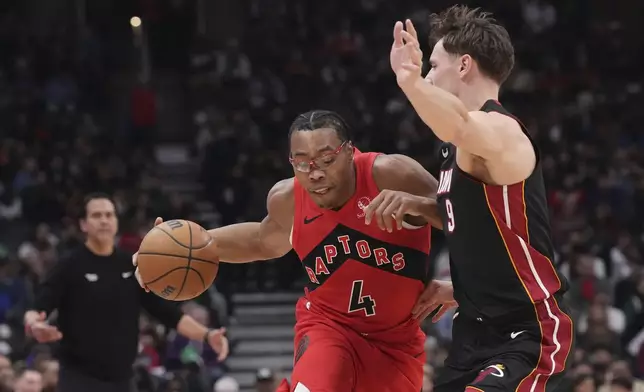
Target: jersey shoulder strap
column 493, row 105
column 364, row 162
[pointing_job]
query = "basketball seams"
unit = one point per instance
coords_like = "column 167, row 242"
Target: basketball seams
column 183, row 245
column 158, row 278
column 185, row 277
column 173, row 263
column 177, row 256
column 203, row 282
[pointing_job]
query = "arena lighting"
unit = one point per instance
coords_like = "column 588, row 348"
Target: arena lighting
column 135, row 21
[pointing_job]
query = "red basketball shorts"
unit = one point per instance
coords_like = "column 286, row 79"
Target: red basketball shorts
column 332, row 358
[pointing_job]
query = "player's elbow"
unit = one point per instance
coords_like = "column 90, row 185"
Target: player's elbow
column 271, row 244
column 271, row 252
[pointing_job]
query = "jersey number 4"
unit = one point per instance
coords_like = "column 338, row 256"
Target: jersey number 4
column 359, row 302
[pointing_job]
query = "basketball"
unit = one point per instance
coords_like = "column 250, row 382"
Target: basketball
column 177, row 260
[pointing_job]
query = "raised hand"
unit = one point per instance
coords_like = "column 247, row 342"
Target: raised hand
column 405, row 57
column 137, row 274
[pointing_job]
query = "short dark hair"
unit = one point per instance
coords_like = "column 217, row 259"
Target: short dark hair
column 94, row 196
column 471, row 31
column 316, row 119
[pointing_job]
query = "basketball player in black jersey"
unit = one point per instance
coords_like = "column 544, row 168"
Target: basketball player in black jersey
column 510, row 331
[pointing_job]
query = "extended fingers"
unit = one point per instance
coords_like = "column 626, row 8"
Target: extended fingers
column 409, row 39
column 398, row 39
column 425, row 299
column 389, row 214
column 416, row 55
column 372, row 207
column 426, row 312
column 411, row 29
column 376, row 208
column 400, row 215
column 383, row 216
column 441, row 313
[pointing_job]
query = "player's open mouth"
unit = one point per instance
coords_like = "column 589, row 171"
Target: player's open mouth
column 320, row 191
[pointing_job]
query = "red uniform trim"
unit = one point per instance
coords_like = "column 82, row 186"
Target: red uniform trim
column 539, row 279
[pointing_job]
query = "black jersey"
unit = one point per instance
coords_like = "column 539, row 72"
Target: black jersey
column 501, row 252
column 99, row 303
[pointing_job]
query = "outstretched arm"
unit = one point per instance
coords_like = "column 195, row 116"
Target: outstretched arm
column 252, row 241
column 408, row 193
column 494, row 137
column 265, row 240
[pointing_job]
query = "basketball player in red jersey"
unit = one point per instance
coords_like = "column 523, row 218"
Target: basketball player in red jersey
column 510, row 332
column 354, row 330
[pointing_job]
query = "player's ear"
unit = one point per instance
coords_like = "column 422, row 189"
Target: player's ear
column 82, row 223
column 466, row 62
column 351, row 149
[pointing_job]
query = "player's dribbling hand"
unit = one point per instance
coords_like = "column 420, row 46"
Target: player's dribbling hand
column 42, row 331
column 405, row 57
column 137, row 274
column 219, row 342
column 437, row 294
column 390, row 206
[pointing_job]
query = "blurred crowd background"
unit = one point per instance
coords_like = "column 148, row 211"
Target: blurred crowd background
column 186, row 116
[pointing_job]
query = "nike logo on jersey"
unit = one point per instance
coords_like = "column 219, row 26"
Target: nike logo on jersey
column 308, row 220
column 514, row 335
column 445, row 152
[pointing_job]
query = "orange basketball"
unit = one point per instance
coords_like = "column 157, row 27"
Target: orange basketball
column 178, row 260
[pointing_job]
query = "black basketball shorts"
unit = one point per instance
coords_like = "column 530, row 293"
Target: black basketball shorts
column 523, row 354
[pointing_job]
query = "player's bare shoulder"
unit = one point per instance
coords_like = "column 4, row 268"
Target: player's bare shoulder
column 402, row 173
column 515, row 156
column 504, row 125
column 280, row 202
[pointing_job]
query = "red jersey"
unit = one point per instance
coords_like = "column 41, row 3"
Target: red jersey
column 360, row 276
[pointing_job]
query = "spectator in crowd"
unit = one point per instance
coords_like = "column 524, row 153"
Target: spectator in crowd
column 583, row 383
column 62, row 137
column 181, row 351
column 7, row 376
column 28, row 380
column 49, row 370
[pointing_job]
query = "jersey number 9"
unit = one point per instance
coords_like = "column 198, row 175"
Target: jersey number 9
column 359, row 302
column 451, row 223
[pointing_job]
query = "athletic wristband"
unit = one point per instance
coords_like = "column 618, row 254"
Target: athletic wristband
column 207, row 335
